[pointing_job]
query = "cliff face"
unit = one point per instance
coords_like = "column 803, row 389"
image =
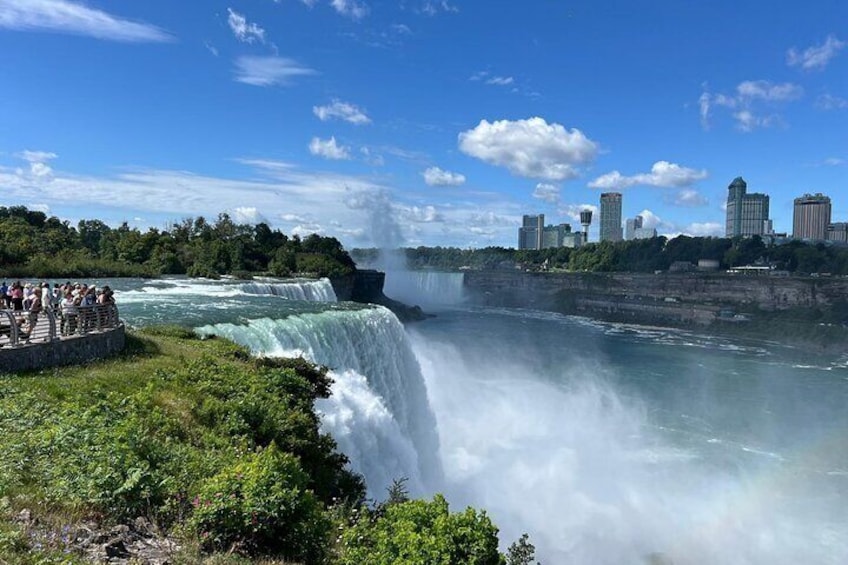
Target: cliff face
column 802, row 310
column 366, row 286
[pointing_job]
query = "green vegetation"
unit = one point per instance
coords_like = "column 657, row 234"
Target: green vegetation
column 33, row 245
column 644, row 255
column 219, row 450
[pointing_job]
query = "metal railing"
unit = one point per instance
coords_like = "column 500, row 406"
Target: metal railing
column 19, row 327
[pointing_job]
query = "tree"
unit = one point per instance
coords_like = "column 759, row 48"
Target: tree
column 421, row 531
column 521, row 552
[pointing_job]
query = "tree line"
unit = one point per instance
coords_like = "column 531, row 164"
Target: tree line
column 35, row 245
column 643, row 255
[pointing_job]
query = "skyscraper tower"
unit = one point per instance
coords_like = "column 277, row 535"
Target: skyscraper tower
column 585, row 221
column 611, row 216
column 811, row 217
column 747, row 214
column 531, row 231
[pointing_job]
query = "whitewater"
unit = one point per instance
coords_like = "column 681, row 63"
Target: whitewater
column 606, row 443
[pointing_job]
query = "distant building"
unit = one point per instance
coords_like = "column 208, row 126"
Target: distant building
column 611, row 216
column 553, row 236
column 811, row 217
column 747, row 214
column 631, row 226
column 573, row 239
column 531, row 231
column 644, row 233
column 837, row 232
column 585, row 222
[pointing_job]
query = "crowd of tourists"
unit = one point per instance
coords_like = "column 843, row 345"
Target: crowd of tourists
column 71, row 303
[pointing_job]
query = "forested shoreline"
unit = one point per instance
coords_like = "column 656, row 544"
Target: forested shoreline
column 643, row 255
column 35, row 245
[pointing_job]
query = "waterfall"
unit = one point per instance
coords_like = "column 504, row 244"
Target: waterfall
column 378, row 412
column 426, row 288
column 313, row 291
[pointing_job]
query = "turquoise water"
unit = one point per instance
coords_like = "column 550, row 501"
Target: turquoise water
column 607, row 443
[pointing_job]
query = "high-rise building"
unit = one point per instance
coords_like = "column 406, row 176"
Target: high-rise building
column 553, row 236
column 530, row 232
column 644, row 233
column 747, row 214
column 837, row 232
column 811, row 217
column 611, row 216
column 585, row 222
column 631, row 226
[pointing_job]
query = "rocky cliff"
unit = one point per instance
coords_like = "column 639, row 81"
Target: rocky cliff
column 724, row 302
column 366, row 286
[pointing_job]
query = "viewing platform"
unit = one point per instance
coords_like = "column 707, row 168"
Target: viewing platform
column 37, row 341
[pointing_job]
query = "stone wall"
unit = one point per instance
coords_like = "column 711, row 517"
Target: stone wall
column 66, row 351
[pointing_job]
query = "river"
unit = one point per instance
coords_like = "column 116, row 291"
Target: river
column 606, row 443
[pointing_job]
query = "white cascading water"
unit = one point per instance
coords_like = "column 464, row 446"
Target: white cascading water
column 378, row 412
column 425, row 288
column 312, row 291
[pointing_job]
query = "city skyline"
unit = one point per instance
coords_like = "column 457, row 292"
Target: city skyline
column 410, row 123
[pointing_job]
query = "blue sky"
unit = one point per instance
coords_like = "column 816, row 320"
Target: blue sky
column 420, row 122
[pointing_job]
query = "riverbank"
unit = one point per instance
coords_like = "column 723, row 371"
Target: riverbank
column 805, row 311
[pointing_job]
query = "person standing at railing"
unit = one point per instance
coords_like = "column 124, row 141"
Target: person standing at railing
column 35, row 307
column 69, row 314
column 4, row 295
column 16, row 296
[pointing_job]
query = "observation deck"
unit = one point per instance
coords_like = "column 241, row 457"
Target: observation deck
column 37, row 341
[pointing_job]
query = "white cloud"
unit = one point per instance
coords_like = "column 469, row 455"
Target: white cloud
column 343, row 111
column 690, row 197
column 663, row 174
column 246, row 32
column 65, row 16
column 500, row 81
column 211, row 48
column 547, row 192
column 831, row 102
column 707, row 229
column 268, row 70
column 38, row 160
column 434, row 176
column 816, row 57
column 765, row 90
column 572, row 211
column 420, row 214
column 747, row 121
column 530, row 148
column 293, row 218
column 247, row 215
column 350, row 8
column 833, row 162
column 749, row 101
column 329, row 149
column 433, row 7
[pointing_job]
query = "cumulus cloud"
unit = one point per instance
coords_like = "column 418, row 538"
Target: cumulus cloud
column 689, row 197
column 64, row 16
column 420, row 214
column 343, row 111
column 350, row 8
column 247, row 215
column 750, row 102
column 433, row 7
column 663, row 174
column 434, row 176
column 246, row 32
column 706, row 229
column 572, row 211
column 268, row 70
column 329, row 149
column 38, row 163
column 547, row 192
column 816, row 57
column 530, row 148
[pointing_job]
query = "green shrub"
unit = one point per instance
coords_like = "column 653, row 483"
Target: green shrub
column 419, row 531
column 262, row 504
